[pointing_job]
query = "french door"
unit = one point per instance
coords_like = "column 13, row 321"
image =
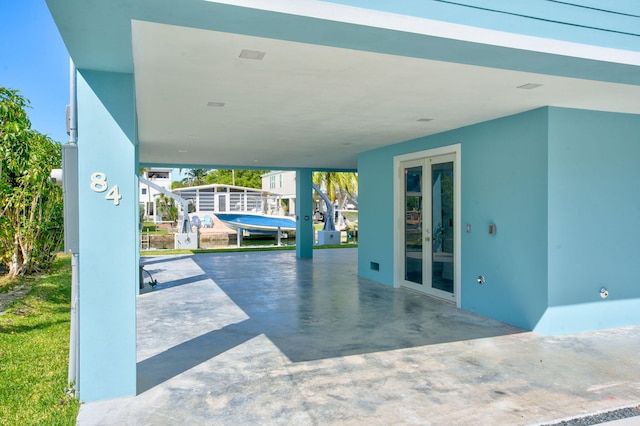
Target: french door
column 427, row 235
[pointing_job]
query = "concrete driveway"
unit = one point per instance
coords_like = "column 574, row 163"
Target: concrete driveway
column 264, row 338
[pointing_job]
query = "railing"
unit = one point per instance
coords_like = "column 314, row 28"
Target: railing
column 228, row 202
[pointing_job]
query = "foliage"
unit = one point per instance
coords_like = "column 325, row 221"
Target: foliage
column 34, row 348
column 246, row 178
column 195, row 177
column 31, row 219
column 338, row 186
column 141, row 213
column 167, row 208
column 178, row 184
column 151, row 228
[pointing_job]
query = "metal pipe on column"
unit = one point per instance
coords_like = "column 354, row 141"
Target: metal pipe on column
column 70, row 187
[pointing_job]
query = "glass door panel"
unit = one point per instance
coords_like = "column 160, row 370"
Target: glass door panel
column 413, row 248
column 428, row 225
column 442, row 220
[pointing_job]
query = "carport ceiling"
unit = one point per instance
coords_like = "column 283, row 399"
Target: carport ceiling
column 334, row 81
column 303, row 105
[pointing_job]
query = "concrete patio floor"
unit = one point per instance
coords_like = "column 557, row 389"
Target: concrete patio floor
column 263, row 338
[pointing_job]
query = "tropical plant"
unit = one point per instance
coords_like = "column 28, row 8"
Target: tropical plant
column 195, row 177
column 31, row 209
column 177, row 184
column 166, row 206
column 338, row 186
column 246, row 178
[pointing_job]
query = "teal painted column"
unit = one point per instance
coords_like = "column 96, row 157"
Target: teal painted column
column 108, row 258
column 304, row 214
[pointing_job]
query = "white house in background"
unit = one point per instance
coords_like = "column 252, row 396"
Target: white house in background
column 161, row 177
column 220, row 198
column 282, row 183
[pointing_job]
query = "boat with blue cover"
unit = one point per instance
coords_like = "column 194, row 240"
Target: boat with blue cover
column 257, row 222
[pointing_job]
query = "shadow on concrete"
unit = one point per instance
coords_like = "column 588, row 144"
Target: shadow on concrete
column 178, row 359
column 315, row 310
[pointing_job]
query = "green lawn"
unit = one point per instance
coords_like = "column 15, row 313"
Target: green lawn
column 34, row 349
column 34, row 346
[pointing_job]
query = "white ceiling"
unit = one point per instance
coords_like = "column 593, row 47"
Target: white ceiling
column 315, row 106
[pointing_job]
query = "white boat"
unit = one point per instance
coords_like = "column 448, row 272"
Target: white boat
column 257, row 222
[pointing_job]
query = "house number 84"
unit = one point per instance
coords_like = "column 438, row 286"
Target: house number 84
column 99, row 184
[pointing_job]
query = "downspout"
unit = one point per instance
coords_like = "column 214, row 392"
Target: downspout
column 74, row 338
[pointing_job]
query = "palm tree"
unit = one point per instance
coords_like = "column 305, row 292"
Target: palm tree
column 195, row 177
column 167, row 207
column 338, row 186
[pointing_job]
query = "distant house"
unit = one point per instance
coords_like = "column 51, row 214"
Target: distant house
column 220, row 198
column 282, row 183
column 161, row 177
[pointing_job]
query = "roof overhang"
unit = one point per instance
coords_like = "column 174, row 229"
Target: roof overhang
column 323, row 82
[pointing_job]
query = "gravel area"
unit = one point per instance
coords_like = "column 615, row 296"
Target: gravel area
column 597, row 419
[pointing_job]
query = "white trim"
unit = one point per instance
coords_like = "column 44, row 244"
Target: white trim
column 398, row 212
column 429, row 27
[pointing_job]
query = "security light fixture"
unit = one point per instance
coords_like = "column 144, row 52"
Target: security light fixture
column 529, row 86
column 252, row 54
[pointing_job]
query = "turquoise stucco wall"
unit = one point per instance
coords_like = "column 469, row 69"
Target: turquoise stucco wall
column 594, row 220
column 561, row 186
column 108, row 260
column 504, row 182
column 304, row 214
column 503, row 168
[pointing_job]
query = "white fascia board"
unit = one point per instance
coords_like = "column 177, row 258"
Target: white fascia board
column 441, row 29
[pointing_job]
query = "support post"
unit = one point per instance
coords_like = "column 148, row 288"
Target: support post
column 108, row 213
column 304, row 214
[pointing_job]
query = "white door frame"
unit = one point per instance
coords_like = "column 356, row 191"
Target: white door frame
column 399, row 219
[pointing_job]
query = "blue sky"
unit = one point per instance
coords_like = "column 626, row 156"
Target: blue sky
column 35, row 61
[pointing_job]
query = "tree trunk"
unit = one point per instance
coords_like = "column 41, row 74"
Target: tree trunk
column 17, row 262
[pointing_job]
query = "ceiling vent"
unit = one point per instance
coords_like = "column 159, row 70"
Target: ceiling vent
column 252, row 54
column 529, row 86
column 215, row 104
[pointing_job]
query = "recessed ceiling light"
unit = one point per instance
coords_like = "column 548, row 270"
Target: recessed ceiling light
column 424, row 120
column 182, row 151
column 529, row 86
column 252, row 54
column 215, row 104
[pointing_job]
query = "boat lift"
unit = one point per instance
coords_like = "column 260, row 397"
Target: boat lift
column 183, row 239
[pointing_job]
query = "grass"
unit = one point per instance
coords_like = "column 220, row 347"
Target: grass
column 152, row 229
column 34, row 349
column 236, row 249
column 34, row 345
